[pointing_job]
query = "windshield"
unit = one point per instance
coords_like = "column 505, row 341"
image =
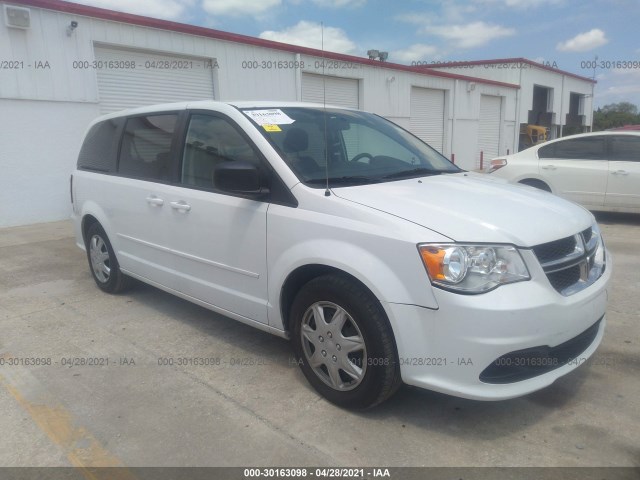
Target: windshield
column 351, row 147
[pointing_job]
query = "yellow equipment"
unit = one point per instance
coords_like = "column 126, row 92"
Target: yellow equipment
column 531, row 135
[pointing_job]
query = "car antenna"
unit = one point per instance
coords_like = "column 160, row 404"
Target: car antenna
column 327, row 192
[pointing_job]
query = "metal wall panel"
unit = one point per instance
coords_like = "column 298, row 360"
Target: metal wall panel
column 343, row 92
column 427, row 116
column 489, row 127
column 156, row 78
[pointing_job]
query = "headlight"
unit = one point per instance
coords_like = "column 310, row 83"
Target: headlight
column 597, row 261
column 472, row 268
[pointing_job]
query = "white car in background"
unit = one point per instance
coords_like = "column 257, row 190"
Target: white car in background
column 598, row 170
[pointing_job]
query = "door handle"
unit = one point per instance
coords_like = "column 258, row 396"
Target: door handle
column 620, row 172
column 548, row 167
column 156, row 201
column 181, row 205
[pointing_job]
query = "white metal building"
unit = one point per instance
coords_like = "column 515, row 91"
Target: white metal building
column 66, row 63
column 548, row 96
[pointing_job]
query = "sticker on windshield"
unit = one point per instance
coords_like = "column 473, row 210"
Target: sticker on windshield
column 271, row 128
column 274, row 116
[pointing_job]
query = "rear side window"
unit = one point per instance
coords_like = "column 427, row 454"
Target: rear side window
column 625, row 148
column 98, row 152
column 146, row 147
column 585, row 148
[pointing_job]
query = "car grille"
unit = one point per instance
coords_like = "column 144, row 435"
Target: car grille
column 556, row 249
column 569, row 262
column 563, row 279
column 531, row 362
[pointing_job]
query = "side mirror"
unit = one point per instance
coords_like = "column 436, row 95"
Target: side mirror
column 237, row 177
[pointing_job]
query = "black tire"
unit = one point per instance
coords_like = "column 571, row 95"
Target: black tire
column 104, row 266
column 532, row 182
column 364, row 321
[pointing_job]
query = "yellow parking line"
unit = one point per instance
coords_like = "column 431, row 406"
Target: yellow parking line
column 83, row 450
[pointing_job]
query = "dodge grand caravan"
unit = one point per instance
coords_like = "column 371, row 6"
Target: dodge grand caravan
column 382, row 261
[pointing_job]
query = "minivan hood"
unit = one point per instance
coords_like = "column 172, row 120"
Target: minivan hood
column 470, row 207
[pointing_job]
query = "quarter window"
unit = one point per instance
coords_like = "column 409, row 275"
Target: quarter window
column 98, row 152
column 210, row 141
column 146, row 147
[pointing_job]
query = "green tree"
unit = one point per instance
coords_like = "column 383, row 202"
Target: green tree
column 622, row 107
column 615, row 115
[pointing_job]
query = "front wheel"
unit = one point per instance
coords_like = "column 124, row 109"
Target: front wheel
column 344, row 343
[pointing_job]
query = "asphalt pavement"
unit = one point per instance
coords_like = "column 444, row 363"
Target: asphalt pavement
column 134, row 404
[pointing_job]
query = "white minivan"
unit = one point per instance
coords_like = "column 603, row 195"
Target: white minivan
column 381, row 260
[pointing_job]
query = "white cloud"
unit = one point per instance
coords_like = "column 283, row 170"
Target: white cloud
column 455, row 13
column 340, row 3
column 460, row 11
column 450, row 12
column 309, row 34
column 167, row 9
column 622, row 89
column 627, row 73
column 520, row 3
column 416, row 52
column 617, row 85
column 584, row 41
column 470, row 35
column 416, row 18
column 238, row 8
column 619, row 93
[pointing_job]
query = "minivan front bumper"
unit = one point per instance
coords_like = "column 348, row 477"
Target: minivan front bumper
column 502, row 344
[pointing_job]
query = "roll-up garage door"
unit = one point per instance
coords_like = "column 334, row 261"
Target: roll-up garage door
column 156, row 78
column 343, row 92
column 489, row 128
column 427, row 116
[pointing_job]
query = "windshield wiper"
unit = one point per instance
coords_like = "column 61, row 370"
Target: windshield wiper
column 420, row 171
column 344, row 179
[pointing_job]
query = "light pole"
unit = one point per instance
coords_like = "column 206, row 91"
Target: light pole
column 593, row 86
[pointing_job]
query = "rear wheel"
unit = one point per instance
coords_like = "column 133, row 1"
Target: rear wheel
column 344, row 343
column 103, row 263
column 532, row 182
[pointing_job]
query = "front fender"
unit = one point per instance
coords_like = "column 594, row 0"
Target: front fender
column 405, row 281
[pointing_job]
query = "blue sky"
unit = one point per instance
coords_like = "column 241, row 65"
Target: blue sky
column 564, row 33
